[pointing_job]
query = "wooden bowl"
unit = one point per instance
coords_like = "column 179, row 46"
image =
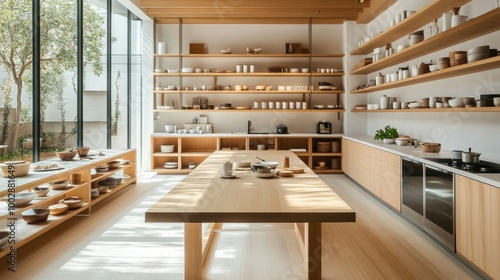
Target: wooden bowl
column 58, row 209
column 82, row 151
column 35, row 216
column 18, row 168
column 66, row 155
column 114, row 164
column 428, row 147
column 73, row 202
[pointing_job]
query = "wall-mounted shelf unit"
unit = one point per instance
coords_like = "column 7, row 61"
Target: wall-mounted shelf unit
column 433, row 110
column 420, row 18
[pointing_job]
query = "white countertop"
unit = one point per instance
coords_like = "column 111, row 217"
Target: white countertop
column 417, row 154
column 243, row 134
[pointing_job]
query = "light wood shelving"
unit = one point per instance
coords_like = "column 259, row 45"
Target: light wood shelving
column 468, row 68
column 435, row 110
column 24, row 232
column 255, row 110
column 420, row 18
column 471, row 29
column 190, row 149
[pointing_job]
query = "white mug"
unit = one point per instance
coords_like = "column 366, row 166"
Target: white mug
column 227, row 168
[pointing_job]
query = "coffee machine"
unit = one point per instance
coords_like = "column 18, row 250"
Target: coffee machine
column 324, row 127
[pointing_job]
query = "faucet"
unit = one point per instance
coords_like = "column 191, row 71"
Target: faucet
column 249, row 126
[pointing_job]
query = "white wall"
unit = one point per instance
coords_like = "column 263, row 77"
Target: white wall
column 458, row 130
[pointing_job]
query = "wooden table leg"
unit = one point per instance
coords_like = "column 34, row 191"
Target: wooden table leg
column 313, row 249
column 192, row 251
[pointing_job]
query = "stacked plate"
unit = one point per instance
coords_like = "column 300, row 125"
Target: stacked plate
column 325, row 86
column 478, row 53
column 416, row 37
column 171, row 165
column 453, row 56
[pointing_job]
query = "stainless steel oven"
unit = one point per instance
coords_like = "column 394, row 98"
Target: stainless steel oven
column 428, row 199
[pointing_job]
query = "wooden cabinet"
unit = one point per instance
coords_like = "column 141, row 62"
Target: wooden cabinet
column 22, row 233
column 377, row 171
column 197, row 148
column 477, row 209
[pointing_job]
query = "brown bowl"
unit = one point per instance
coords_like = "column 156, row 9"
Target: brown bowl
column 66, row 155
column 82, row 151
column 58, row 209
column 35, row 216
column 114, row 164
column 428, row 147
column 73, row 202
column 19, row 168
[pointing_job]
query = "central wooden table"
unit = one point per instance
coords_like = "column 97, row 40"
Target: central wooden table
column 204, row 197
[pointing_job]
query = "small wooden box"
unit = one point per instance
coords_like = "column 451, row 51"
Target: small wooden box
column 196, row 48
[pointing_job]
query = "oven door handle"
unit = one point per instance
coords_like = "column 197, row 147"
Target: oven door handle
column 438, row 169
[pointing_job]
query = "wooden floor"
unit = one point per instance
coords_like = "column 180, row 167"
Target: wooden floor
column 116, row 243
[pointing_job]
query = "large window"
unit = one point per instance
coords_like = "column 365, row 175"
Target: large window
column 106, row 90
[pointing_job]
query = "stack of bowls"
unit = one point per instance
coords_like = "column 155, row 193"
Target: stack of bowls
column 469, row 101
column 416, row 37
column 424, row 102
column 453, row 57
column 478, row 53
column 167, row 148
column 458, row 19
column 444, row 62
column 171, row 165
column 496, row 101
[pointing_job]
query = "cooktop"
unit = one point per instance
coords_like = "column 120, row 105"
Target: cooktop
column 480, row 167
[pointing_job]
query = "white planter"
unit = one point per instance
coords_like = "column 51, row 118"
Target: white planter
column 389, row 141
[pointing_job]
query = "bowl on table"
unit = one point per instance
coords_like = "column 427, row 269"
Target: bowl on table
column 496, row 101
column 36, row 215
column 429, row 147
column 271, row 164
column 260, row 168
column 101, row 169
column 82, row 151
column 114, row 164
column 19, row 168
column 66, row 155
column 456, row 102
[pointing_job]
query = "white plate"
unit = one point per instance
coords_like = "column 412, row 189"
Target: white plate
column 266, row 175
column 170, row 167
column 228, row 176
column 172, row 163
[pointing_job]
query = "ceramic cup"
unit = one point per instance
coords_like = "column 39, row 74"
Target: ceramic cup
column 227, row 168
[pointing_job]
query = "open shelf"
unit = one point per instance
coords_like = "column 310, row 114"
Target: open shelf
column 427, row 14
column 471, row 29
column 433, row 110
column 246, row 74
column 476, row 66
column 112, row 191
column 256, row 92
column 255, row 110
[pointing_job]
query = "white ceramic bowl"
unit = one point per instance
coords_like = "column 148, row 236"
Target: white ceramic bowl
column 496, row 101
column 271, row 164
column 456, row 102
column 59, row 185
column 21, row 168
column 22, row 199
column 40, row 191
column 187, row 70
column 433, row 67
column 167, row 148
column 173, row 70
column 159, row 70
column 414, row 105
column 403, row 141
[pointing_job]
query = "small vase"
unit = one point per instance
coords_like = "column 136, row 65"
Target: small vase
column 389, row 141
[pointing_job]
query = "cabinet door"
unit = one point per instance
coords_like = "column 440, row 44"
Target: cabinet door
column 478, row 224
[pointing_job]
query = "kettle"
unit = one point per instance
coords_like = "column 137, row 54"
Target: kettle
column 282, row 129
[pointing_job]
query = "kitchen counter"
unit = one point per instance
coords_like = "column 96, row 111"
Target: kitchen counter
column 417, row 154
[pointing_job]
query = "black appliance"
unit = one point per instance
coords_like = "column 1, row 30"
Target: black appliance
column 324, row 127
column 428, row 200
column 282, row 129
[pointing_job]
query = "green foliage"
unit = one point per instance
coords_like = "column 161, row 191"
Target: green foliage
column 6, row 90
column 116, row 118
column 58, row 50
column 387, row 133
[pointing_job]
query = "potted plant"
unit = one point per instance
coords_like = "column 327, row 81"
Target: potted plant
column 388, row 135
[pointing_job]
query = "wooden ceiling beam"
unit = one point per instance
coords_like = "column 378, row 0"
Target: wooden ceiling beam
column 376, row 8
column 248, row 21
column 253, row 3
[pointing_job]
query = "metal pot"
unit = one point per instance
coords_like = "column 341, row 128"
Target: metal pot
column 456, row 155
column 470, row 157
